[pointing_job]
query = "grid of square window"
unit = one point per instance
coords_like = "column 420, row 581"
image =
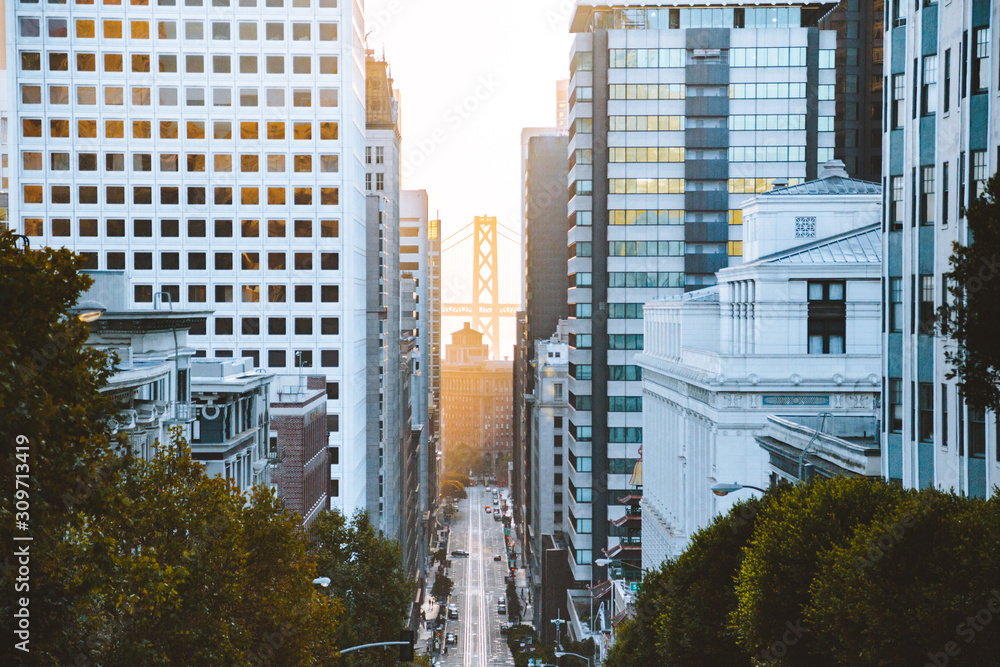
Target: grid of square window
column 195, row 145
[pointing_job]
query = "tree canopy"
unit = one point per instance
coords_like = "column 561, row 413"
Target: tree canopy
column 366, row 573
column 971, row 317
column 837, row 572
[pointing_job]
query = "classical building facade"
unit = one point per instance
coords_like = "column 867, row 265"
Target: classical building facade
column 794, row 331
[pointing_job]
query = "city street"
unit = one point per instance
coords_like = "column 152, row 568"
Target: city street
column 479, row 582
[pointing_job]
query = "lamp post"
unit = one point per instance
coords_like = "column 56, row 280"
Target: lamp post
column 322, row 581
column 726, row 489
column 173, row 330
column 560, row 654
column 812, row 440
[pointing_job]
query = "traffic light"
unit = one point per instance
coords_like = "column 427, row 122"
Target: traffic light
column 406, row 650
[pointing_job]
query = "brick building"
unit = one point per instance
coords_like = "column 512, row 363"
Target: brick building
column 298, row 433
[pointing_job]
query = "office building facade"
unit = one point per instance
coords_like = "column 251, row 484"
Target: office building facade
column 212, row 151
column 676, row 115
column 941, row 140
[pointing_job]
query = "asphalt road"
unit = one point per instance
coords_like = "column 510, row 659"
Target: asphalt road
column 478, row 584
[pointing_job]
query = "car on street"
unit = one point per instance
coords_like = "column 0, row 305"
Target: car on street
column 488, row 510
column 451, row 639
column 452, row 612
column 503, row 629
column 497, row 558
column 502, row 608
column 460, row 553
column 496, row 517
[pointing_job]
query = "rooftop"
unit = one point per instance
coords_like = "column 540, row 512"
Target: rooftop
column 833, row 180
column 860, row 246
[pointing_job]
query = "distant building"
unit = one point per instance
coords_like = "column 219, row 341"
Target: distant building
column 388, row 427
column 545, row 283
column 298, row 437
column 476, row 396
column 793, row 331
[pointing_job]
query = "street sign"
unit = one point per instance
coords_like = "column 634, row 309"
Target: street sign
column 633, row 586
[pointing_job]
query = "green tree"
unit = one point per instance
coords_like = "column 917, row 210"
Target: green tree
column 513, row 603
column 453, row 489
column 442, row 586
column 900, row 591
column 683, row 609
column 366, row 572
column 971, row 318
column 181, row 569
column 783, row 558
column 52, row 409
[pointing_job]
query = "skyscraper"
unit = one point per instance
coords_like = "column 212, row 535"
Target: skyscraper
column 676, row 114
column 941, row 141
column 211, row 150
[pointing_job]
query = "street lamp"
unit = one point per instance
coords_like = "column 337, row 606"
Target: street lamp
column 560, row 654
column 173, row 330
column 726, row 489
column 322, row 581
column 88, row 311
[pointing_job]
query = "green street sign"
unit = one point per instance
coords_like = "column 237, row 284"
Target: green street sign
column 633, row 586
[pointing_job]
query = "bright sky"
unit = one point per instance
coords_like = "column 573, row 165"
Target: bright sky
column 471, row 75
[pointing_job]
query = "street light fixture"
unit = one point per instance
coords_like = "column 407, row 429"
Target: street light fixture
column 560, row 654
column 322, row 581
column 173, row 330
column 88, row 311
column 726, row 489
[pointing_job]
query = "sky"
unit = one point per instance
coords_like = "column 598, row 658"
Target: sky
column 471, row 75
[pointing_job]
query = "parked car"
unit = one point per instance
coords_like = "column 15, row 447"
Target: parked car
column 451, row 639
column 460, row 553
column 452, row 612
column 502, row 609
column 503, row 629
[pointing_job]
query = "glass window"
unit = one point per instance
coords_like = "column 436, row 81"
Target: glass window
column 895, row 305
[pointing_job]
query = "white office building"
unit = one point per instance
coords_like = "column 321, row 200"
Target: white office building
column 212, row 150
column 794, row 331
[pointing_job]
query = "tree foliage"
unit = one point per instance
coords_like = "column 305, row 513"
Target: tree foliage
column 901, row 590
column 836, row 572
column 782, row 561
column 971, row 317
column 181, row 569
column 50, row 402
column 442, row 586
column 683, row 609
column 366, row 573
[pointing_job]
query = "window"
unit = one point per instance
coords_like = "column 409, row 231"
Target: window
column 979, row 174
column 980, row 69
column 827, row 318
column 947, row 80
column 898, row 100
column 928, row 91
column 895, row 305
column 276, row 358
column 977, row 433
column 927, row 304
column 944, row 194
column 223, row 294
column 896, row 203
column 303, row 326
column 927, row 195
column 895, row 405
column 276, row 294
column 196, row 261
